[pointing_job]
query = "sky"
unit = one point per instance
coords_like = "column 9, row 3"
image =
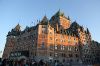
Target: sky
column 24, row 12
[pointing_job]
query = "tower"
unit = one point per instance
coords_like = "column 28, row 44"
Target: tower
column 60, row 20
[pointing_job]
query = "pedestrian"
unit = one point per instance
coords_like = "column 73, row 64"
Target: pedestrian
column 4, row 62
column 41, row 63
column 23, row 62
column 34, row 63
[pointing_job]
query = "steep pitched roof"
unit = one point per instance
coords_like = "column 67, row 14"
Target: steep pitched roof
column 75, row 25
column 17, row 28
column 44, row 21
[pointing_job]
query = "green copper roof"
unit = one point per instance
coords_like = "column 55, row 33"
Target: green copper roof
column 59, row 13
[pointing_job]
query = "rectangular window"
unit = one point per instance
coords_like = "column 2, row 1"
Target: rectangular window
column 56, row 54
column 50, row 38
column 69, row 49
column 76, row 49
column 42, row 46
column 55, row 46
column 76, row 55
column 63, row 47
column 50, row 54
column 51, row 46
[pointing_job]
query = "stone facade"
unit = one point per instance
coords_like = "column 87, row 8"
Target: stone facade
column 54, row 39
column 95, row 50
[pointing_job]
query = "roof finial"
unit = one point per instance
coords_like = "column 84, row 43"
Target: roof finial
column 59, row 9
column 45, row 15
column 87, row 31
column 17, row 28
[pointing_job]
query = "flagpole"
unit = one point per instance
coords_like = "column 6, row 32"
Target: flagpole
column 0, row 54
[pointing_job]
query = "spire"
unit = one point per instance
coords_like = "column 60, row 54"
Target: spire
column 87, row 30
column 59, row 10
column 17, row 28
column 68, row 18
column 44, row 20
column 59, row 13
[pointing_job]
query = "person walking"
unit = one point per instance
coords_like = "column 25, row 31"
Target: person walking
column 41, row 63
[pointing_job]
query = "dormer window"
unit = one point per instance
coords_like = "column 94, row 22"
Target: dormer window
column 43, row 26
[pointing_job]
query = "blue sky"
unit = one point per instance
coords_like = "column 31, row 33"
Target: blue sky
column 24, row 12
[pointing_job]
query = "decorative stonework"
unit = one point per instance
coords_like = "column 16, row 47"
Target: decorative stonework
column 56, row 39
